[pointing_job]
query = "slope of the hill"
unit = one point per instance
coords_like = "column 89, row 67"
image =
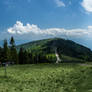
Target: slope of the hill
column 65, row 48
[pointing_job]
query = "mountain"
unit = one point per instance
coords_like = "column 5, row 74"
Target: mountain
column 67, row 49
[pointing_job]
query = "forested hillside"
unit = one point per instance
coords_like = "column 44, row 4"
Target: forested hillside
column 67, row 49
column 44, row 51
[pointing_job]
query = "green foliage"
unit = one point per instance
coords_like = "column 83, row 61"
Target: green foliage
column 43, row 51
column 47, row 78
column 9, row 53
column 69, row 59
column 6, row 52
column 24, row 57
column 13, row 51
column 12, row 42
column 1, row 54
column 51, row 58
column 64, row 47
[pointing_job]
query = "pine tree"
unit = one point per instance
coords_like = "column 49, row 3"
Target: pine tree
column 21, row 56
column 12, row 42
column 30, row 58
column 6, row 52
column 14, row 55
column 0, row 54
column 26, row 57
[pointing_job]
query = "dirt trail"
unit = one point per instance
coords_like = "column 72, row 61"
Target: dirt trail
column 57, row 56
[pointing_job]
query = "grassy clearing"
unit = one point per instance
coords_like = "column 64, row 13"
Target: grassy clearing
column 47, row 78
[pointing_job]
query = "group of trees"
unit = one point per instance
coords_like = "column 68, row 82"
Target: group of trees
column 9, row 53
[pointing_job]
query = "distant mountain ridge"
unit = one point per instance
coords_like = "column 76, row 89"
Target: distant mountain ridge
column 64, row 47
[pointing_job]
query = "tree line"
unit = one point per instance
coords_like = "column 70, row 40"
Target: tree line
column 9, row 53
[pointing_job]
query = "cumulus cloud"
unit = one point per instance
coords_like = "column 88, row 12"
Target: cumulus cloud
column 87, row 5
column 34, row 30
column 30, row 32
column 59, row 3
column 19, row 28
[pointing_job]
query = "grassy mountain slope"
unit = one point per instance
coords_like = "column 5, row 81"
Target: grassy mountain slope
column 67, row 49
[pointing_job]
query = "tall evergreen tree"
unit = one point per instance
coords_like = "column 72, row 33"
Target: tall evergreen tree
column 6, row 52
column 0, row 54
column 30, row 58
column 21, row 56
column 12, row 42
column 14, row 55
column 26, row 57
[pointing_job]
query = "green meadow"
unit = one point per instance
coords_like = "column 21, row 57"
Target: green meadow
column 47, row 78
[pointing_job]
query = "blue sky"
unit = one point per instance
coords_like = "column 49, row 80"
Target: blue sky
column 29, row 20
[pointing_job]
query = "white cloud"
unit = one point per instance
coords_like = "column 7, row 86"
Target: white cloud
column 59, row 3
column 87, row 5
column 19, row 28
column 30, row 32
column 34, row 30
column 89, row 27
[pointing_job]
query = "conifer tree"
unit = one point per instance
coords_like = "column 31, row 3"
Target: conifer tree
column 6, row 53
column 1, row 54
column 14, row 55
column 21, row 56
column 26, row 57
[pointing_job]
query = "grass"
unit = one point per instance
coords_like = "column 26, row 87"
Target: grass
column 47, row 78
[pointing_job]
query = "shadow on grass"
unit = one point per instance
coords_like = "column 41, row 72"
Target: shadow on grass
column 5, row 77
